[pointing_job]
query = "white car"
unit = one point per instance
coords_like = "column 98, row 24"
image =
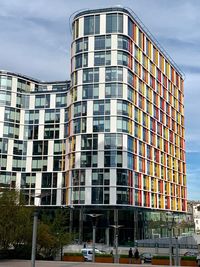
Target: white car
column 87, row 253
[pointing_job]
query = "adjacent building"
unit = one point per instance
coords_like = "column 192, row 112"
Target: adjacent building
column 112, row 138
column 33, row 132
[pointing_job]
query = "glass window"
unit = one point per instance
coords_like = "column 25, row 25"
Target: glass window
column 23, row 86
column 90, row 91
column 80, row 125
column 101, row 107
column 4, row 145
column 97, row 195
column 90, row 75
column 82, row 45
column 97, row 24
column 91, row 25
column 114, row 74
column 12, row 115
column 86, row 142
column 98, row 107
column 130, row 94
column 113, row 141
column 28, row 180
column 32, row 117
column 11, row 130
column 89, row 141
column 81, row 60
column 52, row 116
column 86, row 159
column 61, row 100
column 75, row 29
column 80, row 109
column 130, row 77
column 42, row 101
column 102, row 42
column 122, row 177
column 78, row 177
column 58, row 163
column 122, row 107
column 124, row 43
column 113, row 159
column 122, row 58
column 31, row 132
column 114, row 90
column 20, row 147
column 6, row 82
column 39, row 163
column 130, row 144
column 59, row 147
column 59, row 87
column 98, row 124
column 40, row 147
column 102, row 58
column 51, row 131
column 122, row 124
column 5, row 98
column 114, row 23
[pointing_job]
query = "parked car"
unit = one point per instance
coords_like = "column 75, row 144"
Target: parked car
column 190, row 253
column 87, row 253
column 146, row 257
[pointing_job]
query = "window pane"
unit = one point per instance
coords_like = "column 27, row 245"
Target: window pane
column 88, row 25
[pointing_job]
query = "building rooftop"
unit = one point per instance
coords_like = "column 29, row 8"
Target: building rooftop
column 6, row 72
column 137, row 21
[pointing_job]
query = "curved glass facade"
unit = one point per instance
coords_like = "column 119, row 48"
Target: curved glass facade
column 126, row 142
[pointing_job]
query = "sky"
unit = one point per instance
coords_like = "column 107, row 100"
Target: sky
column 36, row 36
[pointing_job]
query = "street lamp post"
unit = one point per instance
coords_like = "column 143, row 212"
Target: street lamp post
column 170, row 246
column 116, row 229
column 34, row 238
column 93, row 216
column 35, row 224
column 177, row 256
column 170, row 221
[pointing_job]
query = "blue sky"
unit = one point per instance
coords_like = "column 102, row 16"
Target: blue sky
column 35, row 40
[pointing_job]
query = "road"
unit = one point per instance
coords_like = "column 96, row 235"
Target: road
column 24, row 263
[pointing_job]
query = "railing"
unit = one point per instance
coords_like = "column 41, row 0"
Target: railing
column 165, row 245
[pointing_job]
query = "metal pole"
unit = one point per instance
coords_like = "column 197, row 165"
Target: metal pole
column 177, row 256
column 80, row 237
column 116, row 234
column 170, row 246
column 116, row 239
column 70, row 220
column 93, row 243
column 34, row 238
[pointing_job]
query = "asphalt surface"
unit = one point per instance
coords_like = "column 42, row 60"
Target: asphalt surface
column 23, row 263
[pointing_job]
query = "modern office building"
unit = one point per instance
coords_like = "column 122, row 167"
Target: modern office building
column 127, row 116
column 33, row 134
column 113, row 138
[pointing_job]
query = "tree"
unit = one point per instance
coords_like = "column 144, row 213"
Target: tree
column 60, row 227
column 15, row 220
column 16, row 225
column 54, row 227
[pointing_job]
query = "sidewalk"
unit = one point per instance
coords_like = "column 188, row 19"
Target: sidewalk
column 26, row 263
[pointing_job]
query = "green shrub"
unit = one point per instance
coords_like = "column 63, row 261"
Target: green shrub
column 73, row 254
column 103, row 255
column 123, row 256
column 188, row 258
column 161, row 257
